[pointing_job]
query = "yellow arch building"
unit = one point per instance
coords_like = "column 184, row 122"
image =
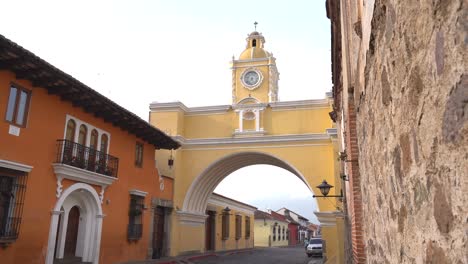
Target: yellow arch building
column 255, row 129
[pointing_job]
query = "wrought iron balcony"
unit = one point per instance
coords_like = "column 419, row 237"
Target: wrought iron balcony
column 134, row 231
column 79, row 156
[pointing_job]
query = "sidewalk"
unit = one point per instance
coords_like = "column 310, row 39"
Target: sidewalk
column 189, row 258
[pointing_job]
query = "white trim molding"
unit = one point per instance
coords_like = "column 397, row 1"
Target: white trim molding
column 15, row 166
column 63, row 171
column 189, row 218
column 328, row 218
column 179, row 106
column 90, row 227
column 300, row 104
column 138, row 192
column 332, row 133
column 221, row 201
column 248, row 133
column 249, row 140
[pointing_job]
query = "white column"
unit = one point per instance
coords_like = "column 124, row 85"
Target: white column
column 99, row 219
column 257, row 120
column 52, row 235
column 241, row 120
column 62, row 234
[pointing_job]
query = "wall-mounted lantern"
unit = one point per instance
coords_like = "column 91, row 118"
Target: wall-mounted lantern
column 170, row 161
column 324, row 188
column 226, row 210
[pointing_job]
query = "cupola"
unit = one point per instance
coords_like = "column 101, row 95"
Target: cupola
column 254, row 48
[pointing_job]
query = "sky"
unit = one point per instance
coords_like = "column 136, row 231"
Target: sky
column 141, row 51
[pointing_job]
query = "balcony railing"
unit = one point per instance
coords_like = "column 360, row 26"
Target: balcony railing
column 79, row 156
column 134, row 231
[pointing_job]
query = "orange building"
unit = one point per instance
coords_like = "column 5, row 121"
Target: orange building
column 78, row 178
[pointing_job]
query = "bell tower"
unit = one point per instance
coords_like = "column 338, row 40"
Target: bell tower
column 254, row 75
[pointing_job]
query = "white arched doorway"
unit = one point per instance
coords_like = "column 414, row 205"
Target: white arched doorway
column 82, row 197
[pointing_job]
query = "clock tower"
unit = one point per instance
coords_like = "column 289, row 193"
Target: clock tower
column 254, row 75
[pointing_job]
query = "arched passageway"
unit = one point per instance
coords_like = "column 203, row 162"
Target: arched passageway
column 201, row 189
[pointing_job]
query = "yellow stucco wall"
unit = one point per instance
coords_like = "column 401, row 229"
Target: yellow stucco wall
column 232, row 242
column 264, row 233
column 275, row 122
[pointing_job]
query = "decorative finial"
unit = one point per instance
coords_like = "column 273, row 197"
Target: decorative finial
column 255, row 24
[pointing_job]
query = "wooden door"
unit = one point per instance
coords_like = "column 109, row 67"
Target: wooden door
column 158, row 232
column 72, row 231
column 209, row 231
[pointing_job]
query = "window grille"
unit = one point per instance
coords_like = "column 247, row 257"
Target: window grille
column 135, row 224
column 12, row 191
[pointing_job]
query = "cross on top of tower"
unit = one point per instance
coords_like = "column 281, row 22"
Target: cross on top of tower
column 255, row 24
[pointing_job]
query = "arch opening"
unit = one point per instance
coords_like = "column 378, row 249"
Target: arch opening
column 199, row 192
column 81, row 202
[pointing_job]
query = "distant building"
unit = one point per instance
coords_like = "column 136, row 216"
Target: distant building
column 270, row 230
column 303, row 229
column 229, row 224
column 314, row 230
column 293, row 227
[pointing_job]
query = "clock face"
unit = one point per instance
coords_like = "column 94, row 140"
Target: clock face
column 251, row 78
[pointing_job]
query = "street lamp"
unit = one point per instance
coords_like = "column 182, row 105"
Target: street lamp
column 324, row 188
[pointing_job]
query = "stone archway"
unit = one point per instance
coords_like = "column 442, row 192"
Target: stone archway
column 201, row 188
column 84, row 197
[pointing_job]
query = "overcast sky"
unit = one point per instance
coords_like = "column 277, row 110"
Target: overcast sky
column 136, row 52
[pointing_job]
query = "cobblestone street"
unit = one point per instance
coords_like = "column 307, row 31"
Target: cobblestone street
column 283, row 255
column 287, row 255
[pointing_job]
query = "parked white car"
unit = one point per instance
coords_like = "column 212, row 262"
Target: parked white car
column 314, row 248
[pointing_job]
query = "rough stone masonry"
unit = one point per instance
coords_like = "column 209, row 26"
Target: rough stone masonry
column 413, row 133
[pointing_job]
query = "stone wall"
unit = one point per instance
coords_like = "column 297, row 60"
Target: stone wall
column 412, row 131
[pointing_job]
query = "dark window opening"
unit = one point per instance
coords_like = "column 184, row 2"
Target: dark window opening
column 139, row 154
column 12, row 191
column 247, row 227
column 254, row 43
column 135, row 219
column 274, row 233
column 238, row 227
column 225, row 225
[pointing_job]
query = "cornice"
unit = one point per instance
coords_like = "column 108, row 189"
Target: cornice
column 220, row 109
column 188, row 218
column 300, row 104
column 179, row 106
column 15, row 166
column 63, row 171
column 138, row 192
column 332, row 132
column 328, row 218
column 249, row 140
column 250, row 60
column 222, row 201
column 240, row 105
